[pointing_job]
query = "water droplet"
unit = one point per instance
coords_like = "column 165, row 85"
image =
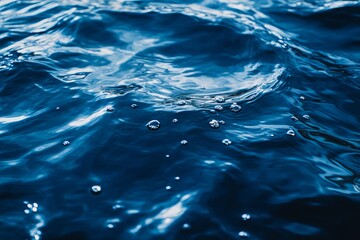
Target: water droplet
column 183, row 142
column 177, row 178
column 168, row 188
column 219, row 99
column 291, row 132
column 226, row 142
column 306, row 117
column 235, row 108
column 245, row 216
column 214, row 124
column 243, row 234
column 66, row 143
column 153, row 125
column 181, row 103
column 175, row 120
column 218, row 108
column 134, row 105
column 212, row 111
column 222, row 122
column 302, row 98
column 293, row 118
column 110, row 108
column 96, row 189
column 186, row 226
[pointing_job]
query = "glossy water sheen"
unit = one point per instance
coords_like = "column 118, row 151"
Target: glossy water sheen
column 79, row 81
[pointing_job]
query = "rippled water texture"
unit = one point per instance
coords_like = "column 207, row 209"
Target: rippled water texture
column 81, row 82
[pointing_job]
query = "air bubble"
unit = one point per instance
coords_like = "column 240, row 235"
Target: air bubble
column 181, row 103
column 134, row 105
column 118, row 206
column 306, row 117
column 212, row 111
column 168, row 188
column 243, row 234
column 245, row 216
column 177, row 178
column 226, row 142
column 214, row 124
column 167, row 155
column 175, row 120
column 96, row 189
column 57, row 108
column 153, row 125
column 222, row 122
column 219, row 99
column 186, row 226
column 291, row 132
column 302, row 98
column 66, row 143
column 183, row 142
column 293, row 118
column 235, row 108
column 218, row 108
column 110, row 108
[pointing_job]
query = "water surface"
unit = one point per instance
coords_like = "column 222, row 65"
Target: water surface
column 80, row 80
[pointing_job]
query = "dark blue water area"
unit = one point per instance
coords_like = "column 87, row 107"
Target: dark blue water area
column 258, row 104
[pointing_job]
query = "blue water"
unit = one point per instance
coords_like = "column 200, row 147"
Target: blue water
column 80, row 80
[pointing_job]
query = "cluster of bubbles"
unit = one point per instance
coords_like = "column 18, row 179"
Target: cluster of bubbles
column 155, row 124
column 305, row 117
column 214, row 124
column 7, row 60
column 243, row 234
column 31, row 207
column 245, row 216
